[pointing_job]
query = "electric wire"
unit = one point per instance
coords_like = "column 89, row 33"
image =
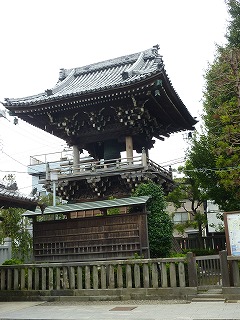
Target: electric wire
column 29, row 134
column 17, row 161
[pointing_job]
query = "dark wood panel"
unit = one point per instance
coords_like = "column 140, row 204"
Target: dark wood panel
column 91, row 238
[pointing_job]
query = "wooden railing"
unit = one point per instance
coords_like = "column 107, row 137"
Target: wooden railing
column 209, row 270
column 136, row 273
column 119, row 279
column 108, row 166
column 216, row 243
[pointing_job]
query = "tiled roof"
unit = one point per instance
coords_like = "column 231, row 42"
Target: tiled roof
column 93, row 205
column 98, row 77
column 9, row 197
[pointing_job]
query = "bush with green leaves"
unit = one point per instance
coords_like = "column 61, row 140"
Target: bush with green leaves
column 160, row 226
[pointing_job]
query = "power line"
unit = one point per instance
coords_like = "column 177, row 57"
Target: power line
column 13, row 171
column 169, row 162
column 202, row 170
column 18, row 161
column 29, row 134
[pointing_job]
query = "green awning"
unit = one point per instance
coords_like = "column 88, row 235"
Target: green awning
column 84, row 206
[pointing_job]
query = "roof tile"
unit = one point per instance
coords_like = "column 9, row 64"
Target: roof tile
column 97, row 77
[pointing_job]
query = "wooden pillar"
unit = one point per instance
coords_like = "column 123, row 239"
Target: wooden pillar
column 224, row 268
column 147, row 152
column 129, row 148
column 144, row 157
column 76, row 157
column 192, row 270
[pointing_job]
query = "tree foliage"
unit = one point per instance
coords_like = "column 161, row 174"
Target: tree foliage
column 16, row 227
column 160, row 226
column 188, row 189
column 215, row 153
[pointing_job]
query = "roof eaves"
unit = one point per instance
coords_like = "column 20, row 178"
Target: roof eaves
column 84, row 206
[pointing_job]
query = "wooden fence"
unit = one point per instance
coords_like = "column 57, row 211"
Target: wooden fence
column 137, row 273
column 216, row 243
column 209, row 271
column 121, row 279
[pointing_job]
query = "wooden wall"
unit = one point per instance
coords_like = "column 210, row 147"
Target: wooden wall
column 91, row 238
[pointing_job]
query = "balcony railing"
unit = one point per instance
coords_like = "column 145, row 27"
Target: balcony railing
column 113, row 166
column 64, row 167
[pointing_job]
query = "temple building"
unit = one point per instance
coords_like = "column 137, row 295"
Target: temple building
column 114, row 110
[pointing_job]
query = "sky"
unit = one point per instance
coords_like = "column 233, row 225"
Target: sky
column 40, row 37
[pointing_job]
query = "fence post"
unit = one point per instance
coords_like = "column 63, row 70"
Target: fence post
column 224, row 268
column 235, row 273
column 192, row 270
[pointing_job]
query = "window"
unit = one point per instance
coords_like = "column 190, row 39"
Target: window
column 180, row 217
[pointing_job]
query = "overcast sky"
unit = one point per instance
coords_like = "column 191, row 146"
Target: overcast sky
column 40, row 37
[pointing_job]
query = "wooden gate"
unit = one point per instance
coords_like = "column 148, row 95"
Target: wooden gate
column 209, row 271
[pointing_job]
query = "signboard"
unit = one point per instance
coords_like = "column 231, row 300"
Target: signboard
column 232, row 230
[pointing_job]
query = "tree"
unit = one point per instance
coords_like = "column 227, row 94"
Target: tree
column 202, row 159
column 233, row 30
column 188, row 188
column 215, row 153
column 16, row 227
column 160, row 226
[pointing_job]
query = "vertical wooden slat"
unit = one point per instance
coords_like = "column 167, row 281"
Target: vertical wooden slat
column 137, row 280
column 212, row 271
column 146, row 275
column 215, row 272
column 23, row 281
column 204, row 271
column 87, row 277
column 58, row 278
column 72, row 277
column 44, row 279
column 128, row 276
column 154, row 275
column 29, row 277
column 3, row 279
column 9, row 279
column 103, row 277
column 79, row 278
column 119, row 276
column 95, row 277
column 219, row 271
column 164, row 279
column 15, row 278
column 36, row 279
column 173, row 278
column 50, row 278
column 207, row 272
column 111, row 277
column 199, row 272
column 65, row 278
column 181, row 274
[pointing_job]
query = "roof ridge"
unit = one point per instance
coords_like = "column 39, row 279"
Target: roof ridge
column 151, row 53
